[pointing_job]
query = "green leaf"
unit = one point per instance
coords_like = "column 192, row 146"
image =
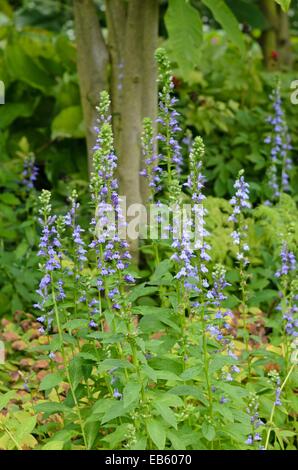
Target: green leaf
column 167, row 414
column 76, row 324
column 167, row 375
column 27, row 424
column 50, row 381
column 141, row 291
column 157, row 433
column 91, row 430
column 188, row 390
column 108, row 364
column 50, row 407
column 76, row 371
column 149, row 372
column 184, row 27
column 118, row 435
column 24, row 68
column 208, row 431
column 227, row 20
column 285, row 4
column 176, row 440
column 162, row 269
column 53, row 445
column 151, row 310
column 12, row 111
column 218, row 362
column 116, row 410
column 5, row 398
column 249, row 13
column 131, row 393
column 69, row 123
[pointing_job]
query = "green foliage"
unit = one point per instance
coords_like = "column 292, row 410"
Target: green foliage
column 285, row 4
column 184, row 27
column 227, row 20
column 150, row 375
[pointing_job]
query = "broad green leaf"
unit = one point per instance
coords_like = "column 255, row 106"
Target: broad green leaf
column 192, row 372
column 227, row 20
column 285, row 4
column 108, row 364
column 27, row 424
column 119, row 435
column 5, row 398
column 218, row 362
column 76, row 324
column 24, row 68
column 184, row 27
column 76, row 371
column 208, row 431
column 224, row 411
column 249, row 13
column 151, row 324
column 163, row 268
column 116, row 410
column 131, row 393
column 53, row 445
column 167, row 375
column 68, row 123
column 141, row 291
column 166, row 364
column 238, row 431
column 50, row 381
column 151, row 310
column 99, row 408
column 12, row 111
column 51, row 407
column 91, row 431
column 176, row 440
column 157, row 433
column 149, row 372
column 166, row 413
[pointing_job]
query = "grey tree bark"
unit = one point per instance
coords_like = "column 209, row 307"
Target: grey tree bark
column 284, row 40
column 129, row 154
column 149, row 72
column 269, row 36
column 92, row 64
column 116, row 20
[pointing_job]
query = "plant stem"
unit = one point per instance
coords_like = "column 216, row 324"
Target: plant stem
column 206, row 364
column 273, row 408
column 12, row 437
column 60, row 333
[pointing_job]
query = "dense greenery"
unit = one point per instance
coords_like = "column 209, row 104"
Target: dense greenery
column 190, row 347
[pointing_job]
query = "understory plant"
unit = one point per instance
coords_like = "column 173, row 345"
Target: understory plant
column 155, row 359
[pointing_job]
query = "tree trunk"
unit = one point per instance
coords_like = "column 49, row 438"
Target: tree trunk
column 284, row 40
column 149, row 72
column 129, row 155
column 92, row 62
column 116, row 21
column 269, row 35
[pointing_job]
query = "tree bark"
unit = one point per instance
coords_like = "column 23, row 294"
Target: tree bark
column 284, row 40
column 129, row 155
column 149, row 72
column 269, row 35
column 116, row 21
column 92, row 62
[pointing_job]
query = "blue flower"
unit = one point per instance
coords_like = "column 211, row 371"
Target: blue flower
column 280, row 147
column 117, row 394
column 30, row 172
